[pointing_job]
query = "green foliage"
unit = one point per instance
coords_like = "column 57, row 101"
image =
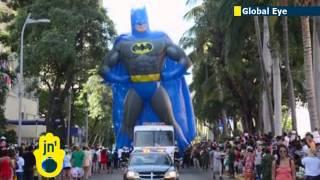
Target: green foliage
column 60, row 53
column 43, row 95
column 96, row 98
column 286, row 121
column 5, row 73
column 220, row 58
column 296, row 57
column 225, row 52
column 2, row 119
column 11, row 136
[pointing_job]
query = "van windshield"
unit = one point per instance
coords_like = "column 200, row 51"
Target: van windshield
column 153, row 138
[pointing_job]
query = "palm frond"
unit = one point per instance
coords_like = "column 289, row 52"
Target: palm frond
column 195, row 12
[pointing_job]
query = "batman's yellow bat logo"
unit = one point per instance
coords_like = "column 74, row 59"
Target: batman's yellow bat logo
column 141, row 48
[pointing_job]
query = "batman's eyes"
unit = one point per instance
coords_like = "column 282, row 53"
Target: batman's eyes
column 140, row 21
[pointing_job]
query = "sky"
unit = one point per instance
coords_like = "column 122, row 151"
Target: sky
column 164, row 15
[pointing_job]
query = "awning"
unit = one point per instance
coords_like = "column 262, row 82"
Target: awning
column 27, row 122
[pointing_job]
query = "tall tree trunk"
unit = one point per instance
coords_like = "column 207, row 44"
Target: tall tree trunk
column 265, row 113
column 221, row 99
column 292, row 99
column 95, row 139
column 223, row 111
column 266, row 65
column 317, row 20
column 277, row 93
column 316, row 58
column 308, row 68
column 260, row 114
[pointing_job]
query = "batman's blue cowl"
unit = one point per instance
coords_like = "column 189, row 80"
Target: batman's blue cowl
column 139, row 17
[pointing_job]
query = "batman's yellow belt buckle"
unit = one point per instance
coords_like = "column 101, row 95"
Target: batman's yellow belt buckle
column 145, row 78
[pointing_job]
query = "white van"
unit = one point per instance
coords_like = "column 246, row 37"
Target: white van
column 160, row 137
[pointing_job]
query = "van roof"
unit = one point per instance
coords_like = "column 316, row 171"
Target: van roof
column 153, row 128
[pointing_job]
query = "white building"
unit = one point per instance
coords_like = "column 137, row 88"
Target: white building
column 31, row 128
column 203, row 132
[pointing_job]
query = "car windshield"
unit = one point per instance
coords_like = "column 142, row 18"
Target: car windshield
column 154, row 138
column 150, row 159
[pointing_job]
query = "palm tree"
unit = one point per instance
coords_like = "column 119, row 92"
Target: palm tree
column 264, row 53
column 308, row 68
column 316, row 56
column 277, row 93
column 292, row 102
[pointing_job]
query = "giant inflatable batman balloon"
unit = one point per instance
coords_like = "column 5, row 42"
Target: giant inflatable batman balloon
column 146, row 73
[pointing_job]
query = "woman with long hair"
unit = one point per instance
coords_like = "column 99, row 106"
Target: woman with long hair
column 283, row 168
column 249, row 164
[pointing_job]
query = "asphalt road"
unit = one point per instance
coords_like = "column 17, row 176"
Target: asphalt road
column 185, row 174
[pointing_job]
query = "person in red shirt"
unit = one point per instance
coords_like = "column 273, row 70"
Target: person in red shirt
column 6, row 166
column 249, row 164
column 104, row 159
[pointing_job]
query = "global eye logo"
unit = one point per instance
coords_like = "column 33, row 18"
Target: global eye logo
column 49, row 156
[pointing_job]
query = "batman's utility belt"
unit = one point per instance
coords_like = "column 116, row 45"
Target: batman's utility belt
column 145, row 77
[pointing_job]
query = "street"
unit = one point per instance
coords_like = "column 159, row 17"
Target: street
column 185, row 174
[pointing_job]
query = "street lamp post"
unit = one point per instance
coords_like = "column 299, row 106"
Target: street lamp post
column 87, row 127
column 69, row 117
column 28, row 20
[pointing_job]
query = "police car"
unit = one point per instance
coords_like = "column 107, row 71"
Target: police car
column 150, row 164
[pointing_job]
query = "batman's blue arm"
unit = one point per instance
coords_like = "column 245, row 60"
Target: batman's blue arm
column 109, row 61
column 175, row 53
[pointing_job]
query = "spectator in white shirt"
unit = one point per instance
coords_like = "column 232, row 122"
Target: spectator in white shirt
column 98, row 152
column 67, row 165
column 258, row 162
column 312, row 166
column 20, row 164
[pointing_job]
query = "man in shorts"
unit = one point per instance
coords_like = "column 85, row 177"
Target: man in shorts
column 77, row 158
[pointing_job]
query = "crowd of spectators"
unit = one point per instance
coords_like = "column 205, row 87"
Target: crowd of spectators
column 248, row 156
column 260, row 157
column 79, row 162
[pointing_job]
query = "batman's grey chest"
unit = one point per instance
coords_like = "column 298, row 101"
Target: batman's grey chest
column 137, row 48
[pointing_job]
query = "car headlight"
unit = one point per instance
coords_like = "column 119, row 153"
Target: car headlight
column 132, row 175
column 171, row 175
